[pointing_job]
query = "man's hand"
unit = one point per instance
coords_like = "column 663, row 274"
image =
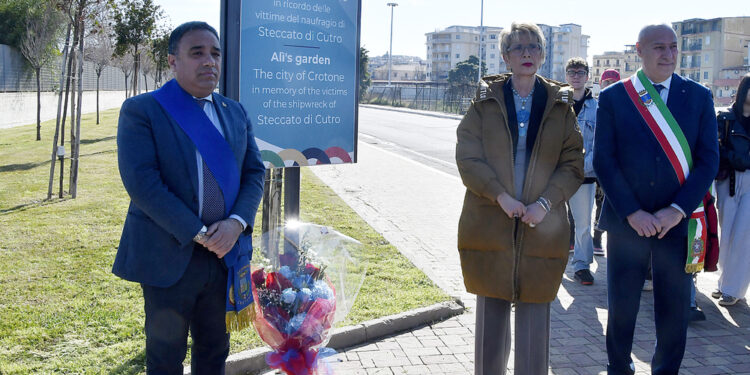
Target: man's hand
column 668, row 217
column 222, row 236
column 645, row 224
column 512, row 207
column 535, row 213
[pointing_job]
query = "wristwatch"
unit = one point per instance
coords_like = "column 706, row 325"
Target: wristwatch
column 201, row 236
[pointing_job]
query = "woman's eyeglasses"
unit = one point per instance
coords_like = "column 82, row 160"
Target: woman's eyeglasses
column 517, row 49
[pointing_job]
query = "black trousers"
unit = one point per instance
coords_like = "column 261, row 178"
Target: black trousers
column 196, row 303
column 629, row 256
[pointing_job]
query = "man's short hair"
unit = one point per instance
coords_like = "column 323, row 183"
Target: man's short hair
column 576, row 63
column 180, row 31
column 646, row 30
column 508, row 36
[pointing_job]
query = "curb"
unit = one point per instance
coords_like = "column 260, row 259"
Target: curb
column 254, row 361
column 413, row 111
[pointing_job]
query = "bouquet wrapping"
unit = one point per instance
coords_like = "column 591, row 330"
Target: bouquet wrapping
column 304, row 280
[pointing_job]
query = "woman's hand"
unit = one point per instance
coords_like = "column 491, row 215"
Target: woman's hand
column 535, row 213
column 512, row 207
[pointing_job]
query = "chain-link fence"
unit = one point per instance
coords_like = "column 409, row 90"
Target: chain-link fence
column 429, row 96
column 17, row 76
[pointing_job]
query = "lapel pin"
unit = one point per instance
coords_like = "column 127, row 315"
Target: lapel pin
column 223, row 104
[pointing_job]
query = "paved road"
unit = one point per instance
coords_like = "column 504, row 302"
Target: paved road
column 413, row 198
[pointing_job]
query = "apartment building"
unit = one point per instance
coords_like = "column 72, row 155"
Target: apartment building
column 563, row 42
column 712, row 50
column 626, row 62
column 448, row 47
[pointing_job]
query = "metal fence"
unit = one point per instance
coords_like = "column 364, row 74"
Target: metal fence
column 17, row 76
column 429, row 96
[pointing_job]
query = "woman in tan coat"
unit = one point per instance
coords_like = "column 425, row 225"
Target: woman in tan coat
column 519, row 153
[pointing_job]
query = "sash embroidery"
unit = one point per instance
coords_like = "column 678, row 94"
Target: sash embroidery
column 218, row 156
column 664, row 127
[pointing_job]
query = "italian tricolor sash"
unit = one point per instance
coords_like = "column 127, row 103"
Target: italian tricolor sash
column 664, row 127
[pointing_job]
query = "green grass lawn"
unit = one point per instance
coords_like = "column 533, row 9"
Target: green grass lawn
column 62, row 310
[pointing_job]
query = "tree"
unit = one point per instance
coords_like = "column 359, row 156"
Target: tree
column 99, row 52
column 38, row 46
column 14, row 15
column 125, row 63
column 147, row 67
column 465, row 72
column 159, row 52
column 364, row 75
column 135, row 22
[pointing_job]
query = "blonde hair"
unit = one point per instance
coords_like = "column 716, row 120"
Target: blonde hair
column 517, row 29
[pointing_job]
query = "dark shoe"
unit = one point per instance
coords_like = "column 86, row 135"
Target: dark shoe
column 584, row 277
column 598, row 251
column 716, row 294
column 696, row 315
column 727, row 300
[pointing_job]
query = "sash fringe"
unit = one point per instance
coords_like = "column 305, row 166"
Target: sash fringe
column 239, row 320
column 693, row 268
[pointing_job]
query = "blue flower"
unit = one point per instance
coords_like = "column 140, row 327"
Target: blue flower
column 288, row 296
column 304, row 295
column 295, row 323
column 299, row 282
column 286, row 272
column 321, row 290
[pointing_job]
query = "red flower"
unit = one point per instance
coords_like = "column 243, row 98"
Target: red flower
column 259, row 278
column 277, row 282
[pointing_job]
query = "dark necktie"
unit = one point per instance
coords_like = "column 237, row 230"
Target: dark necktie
column 213, row 199
column 659, row 87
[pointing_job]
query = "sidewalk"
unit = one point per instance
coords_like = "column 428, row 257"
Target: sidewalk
column 416, row 208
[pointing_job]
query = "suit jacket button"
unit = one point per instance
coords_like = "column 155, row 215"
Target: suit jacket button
column 651, row 183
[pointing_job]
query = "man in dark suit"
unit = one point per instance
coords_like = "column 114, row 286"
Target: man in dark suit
column 647, row 205
column 191, row 200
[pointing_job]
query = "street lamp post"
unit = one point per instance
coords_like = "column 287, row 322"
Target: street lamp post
column 390, row 50
column 481, row 39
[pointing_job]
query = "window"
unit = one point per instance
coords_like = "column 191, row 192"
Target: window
column 458, row 55
column 458, row 36
column 492, row 65
column 708, row 39
column 492, row 55
column 705, row 75
column 492, row 46
column 705, row 57
column 493, row 36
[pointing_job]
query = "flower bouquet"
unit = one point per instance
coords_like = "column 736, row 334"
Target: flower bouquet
column 305, row 279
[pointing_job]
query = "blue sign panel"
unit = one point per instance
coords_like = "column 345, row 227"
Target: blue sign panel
column 298, row 79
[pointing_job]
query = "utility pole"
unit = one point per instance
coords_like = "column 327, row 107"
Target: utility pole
column 390, row 51
column 481, row 39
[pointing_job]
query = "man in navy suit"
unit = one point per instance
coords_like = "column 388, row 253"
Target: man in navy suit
column 180, row 223
column 647, row 205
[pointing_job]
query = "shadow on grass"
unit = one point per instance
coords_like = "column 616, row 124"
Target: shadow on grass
column 21, row 166
column 27, row 166
column 32, row 204
column 135, row 365
column 90, row 141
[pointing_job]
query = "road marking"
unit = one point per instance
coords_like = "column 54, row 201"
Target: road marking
column 416, row 162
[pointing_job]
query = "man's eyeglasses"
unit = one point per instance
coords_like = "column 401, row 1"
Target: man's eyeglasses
column 580, row 73
column 517, row 49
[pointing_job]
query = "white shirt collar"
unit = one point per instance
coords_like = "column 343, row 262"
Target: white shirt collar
column 210, row 98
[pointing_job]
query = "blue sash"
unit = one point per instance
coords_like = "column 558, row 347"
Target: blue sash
column 219, row 158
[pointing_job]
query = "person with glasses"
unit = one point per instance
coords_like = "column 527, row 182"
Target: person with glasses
column 582, row 202
column 656, row 155
column 519, row 153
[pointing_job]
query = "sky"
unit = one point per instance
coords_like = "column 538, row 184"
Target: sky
column 610, row 24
